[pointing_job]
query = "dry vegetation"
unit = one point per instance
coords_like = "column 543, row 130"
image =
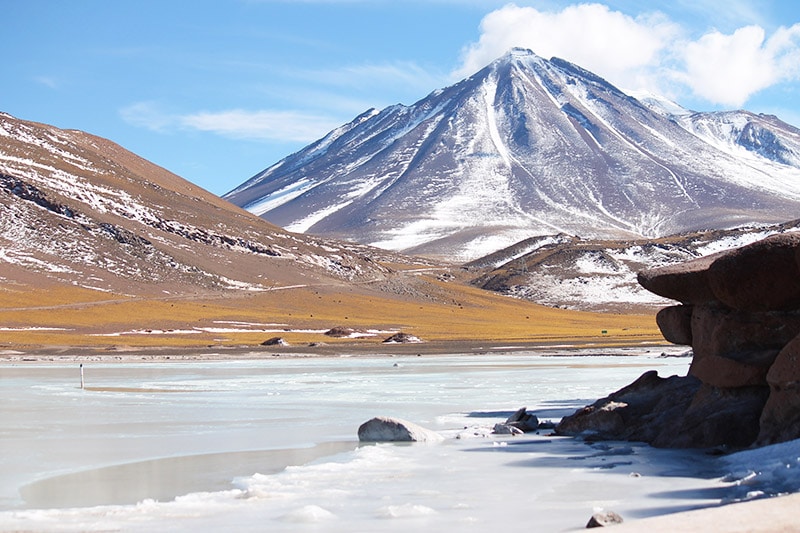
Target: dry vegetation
column 73, row 317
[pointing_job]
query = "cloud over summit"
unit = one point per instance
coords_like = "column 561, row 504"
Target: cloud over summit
column 649, row 51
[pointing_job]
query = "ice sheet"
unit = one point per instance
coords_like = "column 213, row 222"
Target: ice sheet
column 215, row 442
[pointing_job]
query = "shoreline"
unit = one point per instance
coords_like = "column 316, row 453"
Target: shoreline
column 128, row 354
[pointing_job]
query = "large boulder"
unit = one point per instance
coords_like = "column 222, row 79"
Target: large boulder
column 724, row 372
column 675, row 323
column 763, row 276
column 740, row 313
column 718, row 417
column 383, row 429
column 720, row 330
column 647, row 410
column 780, row 419
column 523, row 420
column 402, row 338
column 685, row 282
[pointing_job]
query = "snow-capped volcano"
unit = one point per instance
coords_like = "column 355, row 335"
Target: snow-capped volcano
column 527, row 147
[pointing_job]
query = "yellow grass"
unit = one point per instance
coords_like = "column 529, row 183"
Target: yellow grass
column 90, row 318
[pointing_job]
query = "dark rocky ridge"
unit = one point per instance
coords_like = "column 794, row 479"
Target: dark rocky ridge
column 740, row 312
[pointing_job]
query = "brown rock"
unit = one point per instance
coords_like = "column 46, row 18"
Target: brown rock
column 685, row 282
column 675, row 323
column 727, row 373
column 742, row 336
column 641, row 411
column 718, row 417
column 275, row 341
column 674, row 412
column 785, row 371
column 780, row 419
column 342, row 331
column 762, row 276
column 402, row 338
column 604, row 519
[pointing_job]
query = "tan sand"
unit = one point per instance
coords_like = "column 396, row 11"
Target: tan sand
column 773, row 515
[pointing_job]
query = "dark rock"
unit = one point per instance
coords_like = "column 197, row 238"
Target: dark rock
column 720, row 330
column 785, row 370
column 383, row 429
column 604, row 519
column 742, row 319
column 675, row 323
column 506, row 429
column 402, row 338
column 718, row 417
column 642, row 411
column 341, row 332
column 523, row 420
column 723, row 372
column 685, row 282
column 762, row 276
column 780, row 419
column 275, row 341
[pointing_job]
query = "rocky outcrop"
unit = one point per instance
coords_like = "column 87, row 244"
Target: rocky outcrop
column 402, row 338
column 604, row 519
column 740, row 312
column 383, row 429
column 275, row 341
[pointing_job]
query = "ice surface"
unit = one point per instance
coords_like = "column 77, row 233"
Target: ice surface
column 135, row 417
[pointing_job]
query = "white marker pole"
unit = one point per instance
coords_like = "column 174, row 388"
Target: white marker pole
column 81, row 375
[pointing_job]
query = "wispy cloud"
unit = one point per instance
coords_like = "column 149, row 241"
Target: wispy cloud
column 262, row 125
column 147, row 115
column 648, row 51
column 258, row 125
column 47, row 81
column 403, row 72
column 318, row 100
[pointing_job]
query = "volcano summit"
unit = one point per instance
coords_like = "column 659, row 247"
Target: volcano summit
column 527, row 147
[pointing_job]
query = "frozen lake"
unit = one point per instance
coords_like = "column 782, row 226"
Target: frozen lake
column 271, row 445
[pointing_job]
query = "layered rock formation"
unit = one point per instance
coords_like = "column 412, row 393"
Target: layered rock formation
column 740, row 312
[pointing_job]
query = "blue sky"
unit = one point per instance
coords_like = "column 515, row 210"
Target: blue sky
column 217, row 90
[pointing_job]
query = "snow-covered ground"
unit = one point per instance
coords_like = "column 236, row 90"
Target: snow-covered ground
column 205, row 446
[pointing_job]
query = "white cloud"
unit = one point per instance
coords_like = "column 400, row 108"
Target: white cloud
column 619, row 47
column 288, row 126
column 47, row 81
column 728, row 69
column 647, row 52
column 147, row 115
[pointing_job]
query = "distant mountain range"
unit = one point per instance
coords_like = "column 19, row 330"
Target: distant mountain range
column 531, row 147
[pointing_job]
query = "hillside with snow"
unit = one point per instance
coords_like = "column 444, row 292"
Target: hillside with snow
column 530, row 147
column 81, row 211
column 597, row 275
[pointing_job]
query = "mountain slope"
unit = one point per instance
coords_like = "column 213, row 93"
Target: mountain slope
column 79, row 209
column 524, row 147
